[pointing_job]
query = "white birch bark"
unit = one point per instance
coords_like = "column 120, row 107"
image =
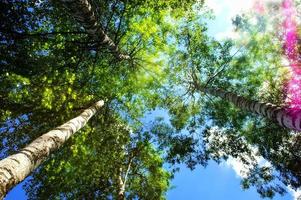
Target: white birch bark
column 285, row 117
column 17, row 167
column 82, row 11
column 121, row 185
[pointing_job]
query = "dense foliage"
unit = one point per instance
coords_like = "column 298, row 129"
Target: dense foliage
column 51, row 70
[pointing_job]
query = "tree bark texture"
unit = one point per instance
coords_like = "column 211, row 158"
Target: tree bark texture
column 121, row 186
column 82, row 12
column 17, row 167
column 285, row 117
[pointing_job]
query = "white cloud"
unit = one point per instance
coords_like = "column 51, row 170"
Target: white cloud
column 224, row 10
column 237, row 7
column 230, row 7
column 241, row 171
column 214, row 6
column 217, row 135
column 296, row 194
column 228, row 34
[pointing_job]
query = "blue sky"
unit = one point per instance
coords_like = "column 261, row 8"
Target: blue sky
column 216, row 182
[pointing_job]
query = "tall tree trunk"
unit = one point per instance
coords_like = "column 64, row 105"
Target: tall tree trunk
column 82, row 11
column 286, row 117
column 121, row 186
column 122, row 180
column 17, row 167
column 122, row 183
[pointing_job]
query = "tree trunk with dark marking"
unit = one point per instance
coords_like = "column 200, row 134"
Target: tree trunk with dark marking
column 121, row 186
column 285, row 117
column 17, row 167
column 82, row 11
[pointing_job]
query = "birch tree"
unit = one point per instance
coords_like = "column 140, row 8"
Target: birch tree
column 235, row 90
column 167, row 44
column 285, row 117
column 82, row 12
column 105, row 160
column 77, row 72
column 17, row 167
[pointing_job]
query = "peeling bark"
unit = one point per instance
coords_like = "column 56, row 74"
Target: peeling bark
column 81, row 11
column 17, row 167
column 285, row 117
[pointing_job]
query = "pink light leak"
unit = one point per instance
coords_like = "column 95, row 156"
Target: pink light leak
column 258, row 7
column 292, row 54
